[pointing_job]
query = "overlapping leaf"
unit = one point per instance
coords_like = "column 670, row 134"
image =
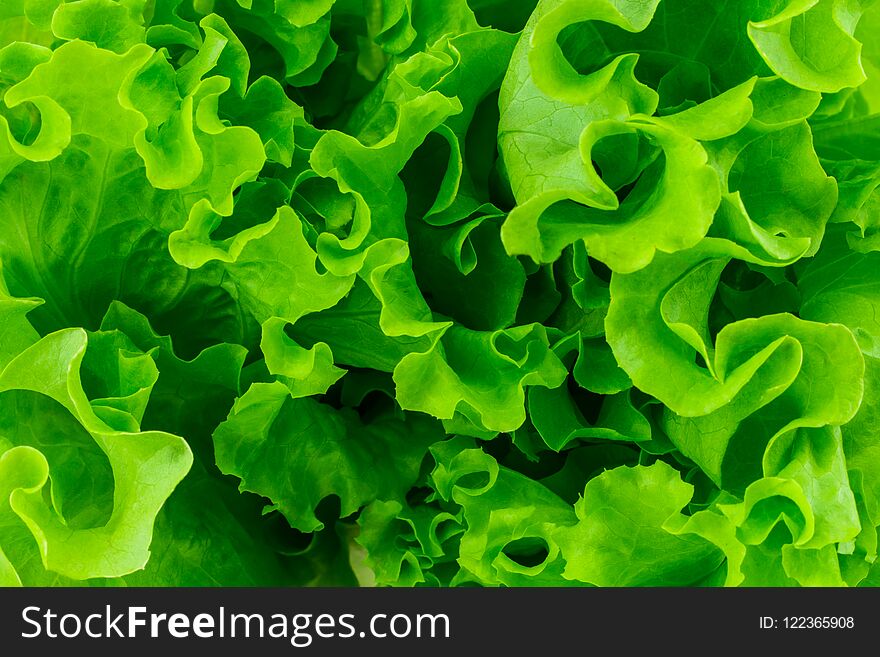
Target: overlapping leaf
column 399, row 292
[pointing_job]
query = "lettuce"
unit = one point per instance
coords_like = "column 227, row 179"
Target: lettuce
column 410, row 293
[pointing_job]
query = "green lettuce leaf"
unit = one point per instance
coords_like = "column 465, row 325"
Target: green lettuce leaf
column 417, row 293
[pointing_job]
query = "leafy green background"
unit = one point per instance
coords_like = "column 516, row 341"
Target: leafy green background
column 407, row 292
